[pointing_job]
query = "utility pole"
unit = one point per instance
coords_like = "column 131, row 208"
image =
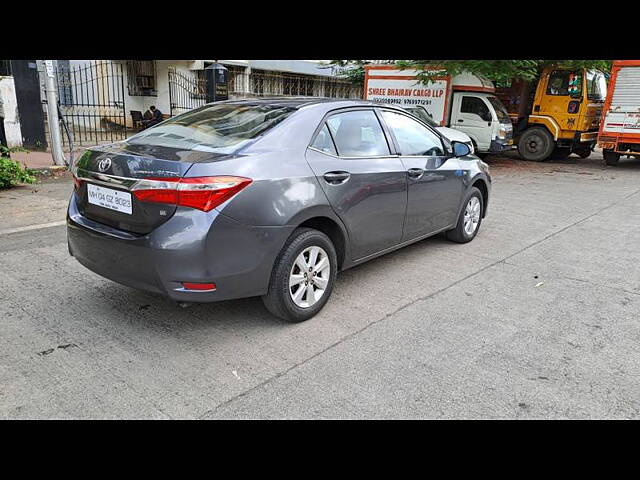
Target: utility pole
column 52, row 114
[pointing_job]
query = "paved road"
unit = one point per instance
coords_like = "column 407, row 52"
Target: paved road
column 539, row 317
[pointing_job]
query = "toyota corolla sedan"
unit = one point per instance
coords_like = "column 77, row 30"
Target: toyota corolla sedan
column 269, row 198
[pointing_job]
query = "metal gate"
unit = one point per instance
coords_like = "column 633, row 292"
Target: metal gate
column 186, row 91
column 91, row 101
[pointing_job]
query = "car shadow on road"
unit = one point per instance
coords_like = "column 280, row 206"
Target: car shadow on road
column 159, row 313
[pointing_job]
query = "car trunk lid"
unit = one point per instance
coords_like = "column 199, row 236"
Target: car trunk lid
column 105, row 177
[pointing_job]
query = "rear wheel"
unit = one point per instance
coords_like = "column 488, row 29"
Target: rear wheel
column 470, row 218
column 611, row 158
column 584, row 153
column 303, row 276
column 536, row 144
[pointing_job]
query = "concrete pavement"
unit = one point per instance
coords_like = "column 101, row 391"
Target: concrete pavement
column 537, row 318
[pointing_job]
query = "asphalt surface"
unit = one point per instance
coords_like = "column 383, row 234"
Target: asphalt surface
column 538, row 317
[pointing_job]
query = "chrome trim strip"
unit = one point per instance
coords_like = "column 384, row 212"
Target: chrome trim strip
column 353, row 158
column 105, row 179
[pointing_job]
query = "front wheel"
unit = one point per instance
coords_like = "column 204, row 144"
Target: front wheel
column 303, row 276
column 469, row 219
column 536, row 144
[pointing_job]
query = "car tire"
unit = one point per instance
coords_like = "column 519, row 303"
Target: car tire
column 462, row 234
column 611, row 158
column 536, row 144
column 281, row 299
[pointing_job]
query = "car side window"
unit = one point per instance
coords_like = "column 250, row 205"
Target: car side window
column 358, row 134
column 412, row 137
column 324, row 142
column 477, row 106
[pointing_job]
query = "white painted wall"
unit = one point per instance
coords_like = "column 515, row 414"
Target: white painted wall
column 10, row 106
column 142, row 103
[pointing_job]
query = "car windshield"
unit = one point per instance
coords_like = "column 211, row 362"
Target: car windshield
column 221, row 128
column 501, row 111
column 596, row 86
column 423, row 115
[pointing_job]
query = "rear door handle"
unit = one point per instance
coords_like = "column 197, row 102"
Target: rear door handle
column 336, row 178
column 460, row 120
column 415, row 172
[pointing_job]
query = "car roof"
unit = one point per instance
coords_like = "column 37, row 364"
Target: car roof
column 300, row 102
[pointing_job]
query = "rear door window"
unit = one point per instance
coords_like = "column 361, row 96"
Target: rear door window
column 324, row 142
column 358, row 134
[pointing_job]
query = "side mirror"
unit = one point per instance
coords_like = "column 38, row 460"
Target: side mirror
column 460, row 149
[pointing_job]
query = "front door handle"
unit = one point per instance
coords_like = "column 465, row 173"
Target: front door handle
column 460, row 120
column 336, row 178
column 415, row 172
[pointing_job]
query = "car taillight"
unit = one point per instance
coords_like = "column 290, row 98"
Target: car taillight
column 203, row 193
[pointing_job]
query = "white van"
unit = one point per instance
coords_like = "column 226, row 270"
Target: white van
column 465, row 102
column 451, row 134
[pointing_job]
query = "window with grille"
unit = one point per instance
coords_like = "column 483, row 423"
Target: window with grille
column 297, row 85
column 141, row 78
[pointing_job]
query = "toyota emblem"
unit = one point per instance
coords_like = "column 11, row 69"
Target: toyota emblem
column 104, row 165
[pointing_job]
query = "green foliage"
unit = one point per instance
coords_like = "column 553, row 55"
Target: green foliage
column 500, row 71
column 12, row 173
column 353, row 70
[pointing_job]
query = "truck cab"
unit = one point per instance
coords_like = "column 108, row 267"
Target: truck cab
column 483, row 117
column 558, row 115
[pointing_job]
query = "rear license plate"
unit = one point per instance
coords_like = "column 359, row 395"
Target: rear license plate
column 109, row 198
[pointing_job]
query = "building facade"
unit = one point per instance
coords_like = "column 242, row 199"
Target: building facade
column 101, row 99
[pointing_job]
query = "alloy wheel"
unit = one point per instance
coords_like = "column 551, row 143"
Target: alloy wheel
column 471, row 215
column 309, row 276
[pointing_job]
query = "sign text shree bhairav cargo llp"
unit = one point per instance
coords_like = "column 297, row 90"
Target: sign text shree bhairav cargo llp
column 408, row 92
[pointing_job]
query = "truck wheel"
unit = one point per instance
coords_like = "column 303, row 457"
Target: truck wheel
column 584, row 153
column 611, row 158
column 536, row 144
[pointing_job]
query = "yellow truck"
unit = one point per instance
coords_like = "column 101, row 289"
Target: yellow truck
column 557, row 115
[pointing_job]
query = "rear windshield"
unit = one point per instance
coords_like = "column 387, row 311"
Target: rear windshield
column 222, row 128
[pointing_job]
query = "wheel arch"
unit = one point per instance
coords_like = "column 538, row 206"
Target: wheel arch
column 545, row 122
column 481, row 184
column 324, row 219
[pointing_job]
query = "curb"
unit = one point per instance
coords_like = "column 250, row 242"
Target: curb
column 55, row 169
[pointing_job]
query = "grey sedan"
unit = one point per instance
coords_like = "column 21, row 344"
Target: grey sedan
column 269, row 197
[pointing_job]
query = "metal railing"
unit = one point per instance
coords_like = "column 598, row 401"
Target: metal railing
column 261, row 83
column 91, row 102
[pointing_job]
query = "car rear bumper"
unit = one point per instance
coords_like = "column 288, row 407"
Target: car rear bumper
column 192, row 246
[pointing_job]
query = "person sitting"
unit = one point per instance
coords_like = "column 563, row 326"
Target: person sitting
column 156, row 117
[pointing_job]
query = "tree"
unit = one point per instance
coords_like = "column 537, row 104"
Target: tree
column 500, row 71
